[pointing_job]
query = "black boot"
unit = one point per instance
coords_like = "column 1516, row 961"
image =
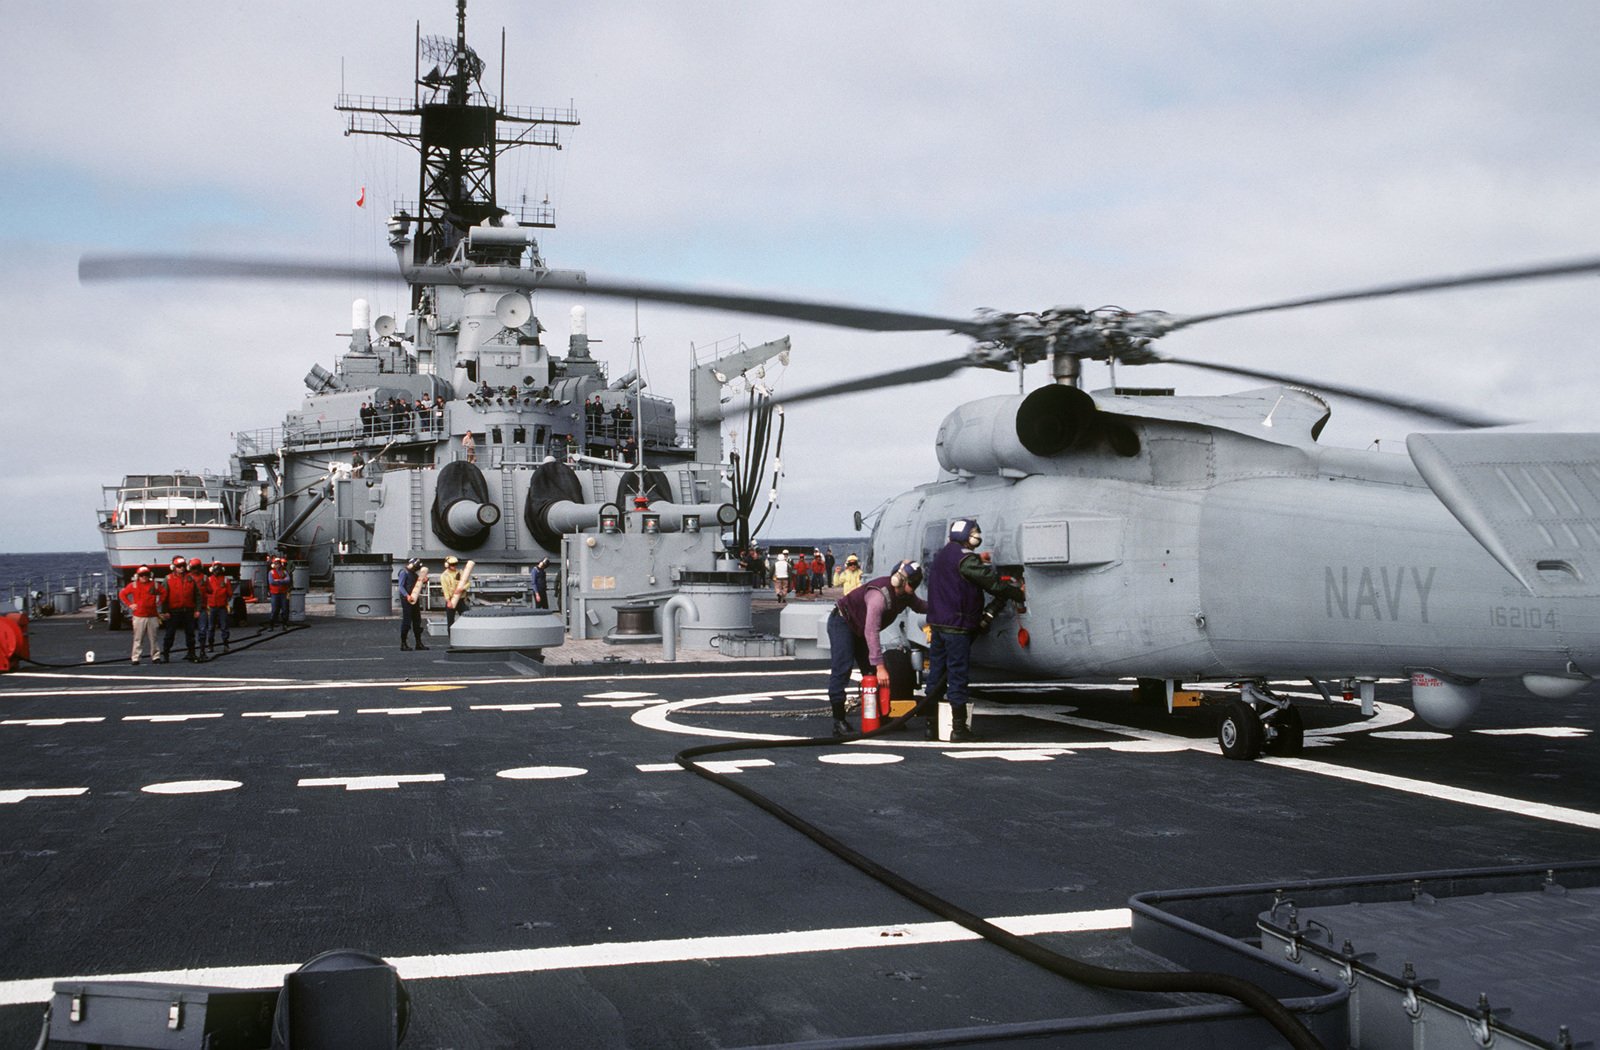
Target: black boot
column 420, row 645
column 841, row 727
column 931, row 729
column 959, row 733
column 404, row 648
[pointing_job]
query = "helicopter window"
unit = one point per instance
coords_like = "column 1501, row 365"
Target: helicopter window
column 932, row 539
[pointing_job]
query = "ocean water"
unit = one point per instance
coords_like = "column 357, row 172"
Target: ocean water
column 51, row 574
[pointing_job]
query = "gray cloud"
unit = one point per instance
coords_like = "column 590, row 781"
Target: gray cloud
column 927, row 156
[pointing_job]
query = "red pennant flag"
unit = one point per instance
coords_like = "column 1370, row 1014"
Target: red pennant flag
column 361, row 201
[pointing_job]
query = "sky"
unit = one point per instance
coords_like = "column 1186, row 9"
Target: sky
column 929, row 156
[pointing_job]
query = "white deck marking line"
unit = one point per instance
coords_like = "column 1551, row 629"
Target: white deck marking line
column 169, row 718
column 132, row 677
column 372, row 783
column 733, row 765
column 399, row 710
column 288, row 714
column 619, row 953
column 1465, row 796
column 50, row 721
column 510, row 707
column 618, row 695
column 1553, row 732
column 280, row 684
column 620, row 703
column 15, row 795
column 1030, row 754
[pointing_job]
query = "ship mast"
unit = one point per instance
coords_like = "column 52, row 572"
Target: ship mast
column 456, row 128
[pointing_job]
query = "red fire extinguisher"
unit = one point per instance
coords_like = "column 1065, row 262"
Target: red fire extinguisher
column 869, row 702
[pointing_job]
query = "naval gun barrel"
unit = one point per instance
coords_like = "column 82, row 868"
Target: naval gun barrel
column 564, row 516
column 466, row 516
column 709, row 514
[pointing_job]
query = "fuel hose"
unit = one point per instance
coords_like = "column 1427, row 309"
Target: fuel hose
column 1251, row 995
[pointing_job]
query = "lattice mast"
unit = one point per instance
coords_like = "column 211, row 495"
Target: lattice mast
column 455, row 126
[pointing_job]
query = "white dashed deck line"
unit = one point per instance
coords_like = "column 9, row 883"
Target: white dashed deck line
column 50, row 721
column 290, row 714
column 1034, row 754
column 735, row 765
column 617, row 696
column 170, row 718
column 511, row 707
column 399, row 710
column 620, row 703
column 13, row 796
column 373, row 783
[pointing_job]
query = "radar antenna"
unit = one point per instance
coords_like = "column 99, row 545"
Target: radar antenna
column 456, row 126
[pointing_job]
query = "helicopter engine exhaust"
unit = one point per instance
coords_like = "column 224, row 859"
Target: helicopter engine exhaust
column 1055, row 418
column 1024, row 433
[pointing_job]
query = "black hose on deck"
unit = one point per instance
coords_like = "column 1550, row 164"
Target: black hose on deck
column 262, row 634
column 1251, row 995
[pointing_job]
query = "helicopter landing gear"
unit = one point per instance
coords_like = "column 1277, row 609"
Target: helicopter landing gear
column 1257, row 722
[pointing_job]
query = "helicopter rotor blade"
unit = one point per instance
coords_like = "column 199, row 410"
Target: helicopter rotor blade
column 92, row 268
column 881, row 381
column 1450, row 416
column 1571, row 268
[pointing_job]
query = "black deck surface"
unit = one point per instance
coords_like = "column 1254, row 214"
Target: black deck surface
column 538, row 860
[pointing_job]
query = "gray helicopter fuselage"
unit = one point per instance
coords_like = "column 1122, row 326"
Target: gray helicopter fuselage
column 1232, row 550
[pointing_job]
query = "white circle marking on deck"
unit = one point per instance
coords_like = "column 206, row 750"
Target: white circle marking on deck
column 191, row 787
column 861, row 758
column 541, row 773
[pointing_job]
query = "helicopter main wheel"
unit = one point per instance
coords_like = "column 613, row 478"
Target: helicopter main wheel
column 1239, row 733
column 1288, row 735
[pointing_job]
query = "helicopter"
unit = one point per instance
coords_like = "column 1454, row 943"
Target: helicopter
column 1203, row 539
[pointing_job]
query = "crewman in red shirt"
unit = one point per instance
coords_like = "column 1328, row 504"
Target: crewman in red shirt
column 182, row 601
column 218, row 593
column 279, row 583
column 142, row 598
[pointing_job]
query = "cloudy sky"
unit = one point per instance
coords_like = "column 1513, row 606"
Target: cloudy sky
column 929, row 156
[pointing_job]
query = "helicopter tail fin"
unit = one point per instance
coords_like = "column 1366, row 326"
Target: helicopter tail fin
column 1531, row 500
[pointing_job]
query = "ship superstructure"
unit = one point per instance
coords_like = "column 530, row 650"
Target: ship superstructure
column 457, row 430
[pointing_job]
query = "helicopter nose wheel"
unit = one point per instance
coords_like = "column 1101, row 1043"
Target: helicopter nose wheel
column 1258, row 722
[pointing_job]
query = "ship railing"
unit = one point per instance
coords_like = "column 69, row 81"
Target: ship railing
column 376, row 104
column 325, row 432
column 496, row 456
